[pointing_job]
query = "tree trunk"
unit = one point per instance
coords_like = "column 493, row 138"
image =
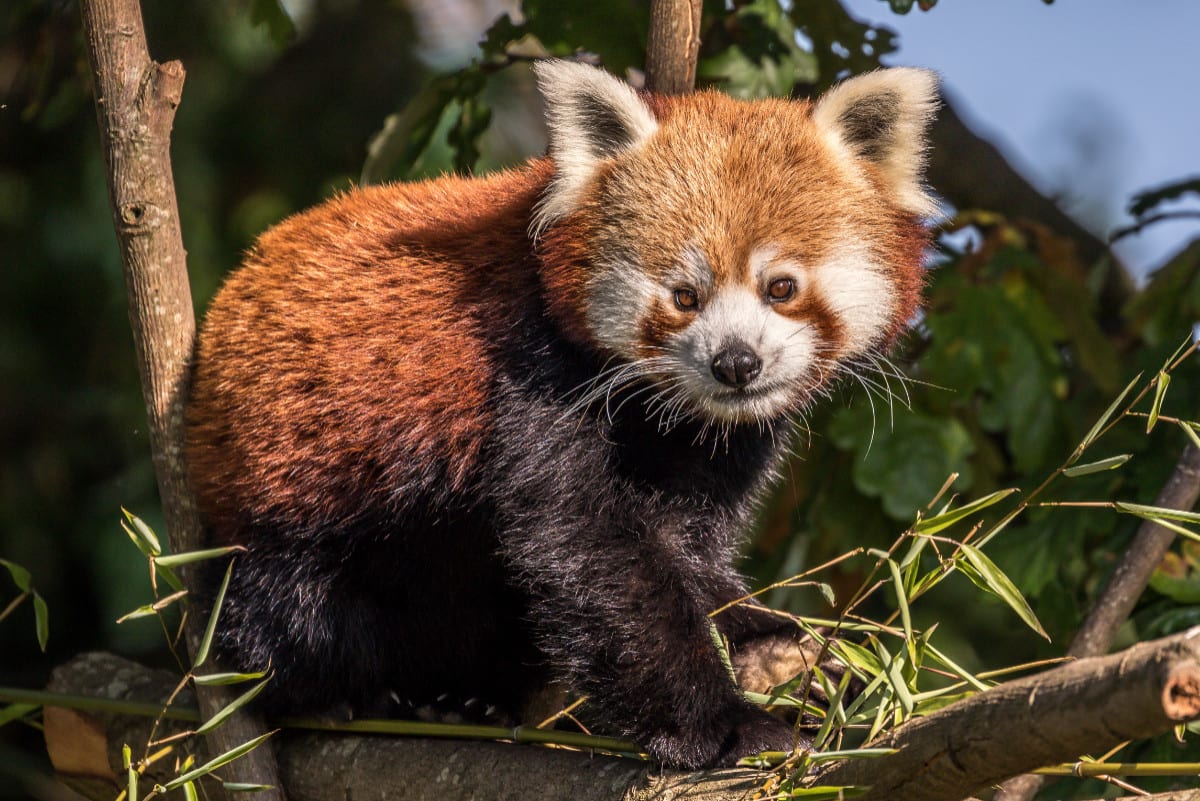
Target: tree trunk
column 136, row 100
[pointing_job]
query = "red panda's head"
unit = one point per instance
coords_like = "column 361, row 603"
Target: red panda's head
column 736, row 253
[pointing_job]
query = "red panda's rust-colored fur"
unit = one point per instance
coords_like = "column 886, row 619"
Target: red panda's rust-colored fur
column 478, row 435
column 361, row 324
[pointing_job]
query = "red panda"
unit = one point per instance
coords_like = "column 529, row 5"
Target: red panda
column 479, row 435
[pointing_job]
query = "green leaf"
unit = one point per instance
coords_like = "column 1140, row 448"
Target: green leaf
column 1190, row 430
column 1160, row 391
column 902, row 603
column 210, row 630
column 15, row 712
column 142, row 534
column 852, row 753
column 274, row 17
column 246, row 787
column 213, row 764
column 1091, row 435
column 20, row 575
column 215, row 679
column 189, row 791
column 1157, row 513
column 41, row 619
column 131, row 776
column 233, row 706
column 1111, row 463
column 933, row 525
column 988, row 576
column 188, row 557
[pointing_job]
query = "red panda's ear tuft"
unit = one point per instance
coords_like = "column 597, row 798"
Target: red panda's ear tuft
column 883, row 117
column 591, row 116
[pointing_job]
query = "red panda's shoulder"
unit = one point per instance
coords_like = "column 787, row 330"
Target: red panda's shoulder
column 357, row 339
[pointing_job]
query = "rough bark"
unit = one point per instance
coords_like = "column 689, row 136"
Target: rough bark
column 1082, row 707
column 1087, row 706
column 136, row 100
column 1115, row 603
column 673, row 46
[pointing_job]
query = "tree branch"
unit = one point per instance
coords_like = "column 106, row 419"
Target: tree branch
column 673, row 46
column 136, row 100
column 1085, row 706
column 1082, row 707
column 1114, row 604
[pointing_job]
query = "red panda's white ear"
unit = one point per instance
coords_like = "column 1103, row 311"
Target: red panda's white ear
column 883, row 117
column 591, row 116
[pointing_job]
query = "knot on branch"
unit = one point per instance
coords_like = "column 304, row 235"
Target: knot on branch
column 1181, row 693
column 138, row 218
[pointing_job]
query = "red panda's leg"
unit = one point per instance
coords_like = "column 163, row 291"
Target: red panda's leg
column 619, row 619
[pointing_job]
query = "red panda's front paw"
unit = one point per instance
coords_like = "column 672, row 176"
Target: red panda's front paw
column 755, row 733
column 751, row 732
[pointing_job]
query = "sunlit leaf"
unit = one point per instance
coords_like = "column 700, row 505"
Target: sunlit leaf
column 142, row 532
column 1111, row 463
column 216, row 762
column 214, row 679
column 188, row 557
column 233, row 706
column 986, row 574
column 1160, row 392
column 932, row 525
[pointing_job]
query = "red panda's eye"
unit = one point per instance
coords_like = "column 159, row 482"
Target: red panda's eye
column 781, row 289
column 685, row 299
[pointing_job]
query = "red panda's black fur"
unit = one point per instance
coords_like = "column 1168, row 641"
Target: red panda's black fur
column 386, row 412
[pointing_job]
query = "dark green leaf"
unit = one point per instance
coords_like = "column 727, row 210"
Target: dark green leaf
column 41, row 617
column 274, row 17
column 15, row 712
column 20, row 575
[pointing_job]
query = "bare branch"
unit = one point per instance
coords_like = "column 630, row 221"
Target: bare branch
column 136, row 100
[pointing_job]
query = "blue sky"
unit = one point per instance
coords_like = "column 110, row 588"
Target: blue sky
column 1093, row 100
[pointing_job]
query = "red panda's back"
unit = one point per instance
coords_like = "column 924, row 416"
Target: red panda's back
column 351, row 353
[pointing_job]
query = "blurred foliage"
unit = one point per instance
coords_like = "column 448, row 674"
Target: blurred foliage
column 1005, row 371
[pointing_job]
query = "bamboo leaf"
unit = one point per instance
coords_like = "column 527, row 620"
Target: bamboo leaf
column 189, row 791
column 214, row 679
column 20, row 575
column 131, row 776
column 1160, row 391
column 1091, row 435
column 996, row 581
column 233, row 706
column 188, row 557
column 932, row 525
column 902, row 603
column 144, row 532
column 826, row 792
column 15, row 712
column 167, row 574
column 210, row 630
column 216, row 762
column 41, row 619
column 146, row 610
column 852, row 753
column 1157, row 512
column 246, row 787
column 1111, row 463
column 1190, row 430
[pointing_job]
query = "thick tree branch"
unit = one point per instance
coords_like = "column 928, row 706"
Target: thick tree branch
column 1082, row 707
column 1114, row 604
column 136, row 100
column 1085, row 706
column 673, row 46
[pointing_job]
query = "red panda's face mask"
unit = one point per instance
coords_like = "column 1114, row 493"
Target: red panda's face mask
column 739, row 255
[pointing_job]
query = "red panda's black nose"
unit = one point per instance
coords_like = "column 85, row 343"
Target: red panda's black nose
column 736, row 365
